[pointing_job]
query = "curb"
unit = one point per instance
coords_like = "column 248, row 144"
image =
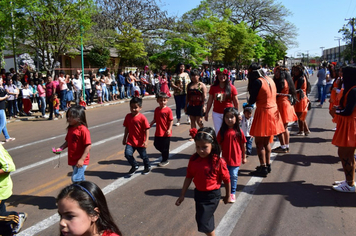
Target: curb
column 24, row 118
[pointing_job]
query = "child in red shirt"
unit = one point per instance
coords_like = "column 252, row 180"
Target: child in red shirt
column 207, row 170
column 78, row 142
column 56, row 105
column 232, row 141
column 92, row 214
column 136, row 136
column 82, row 102
column 163, row 118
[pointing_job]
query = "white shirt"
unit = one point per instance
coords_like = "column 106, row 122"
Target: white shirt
column 77, row 84
column 246, row 125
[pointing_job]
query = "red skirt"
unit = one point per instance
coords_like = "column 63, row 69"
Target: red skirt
column 266, row 122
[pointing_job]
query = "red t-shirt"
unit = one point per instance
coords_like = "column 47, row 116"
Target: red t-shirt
column 83, row 103
column 77, row 139
column 163, row 117
column 49, row 89
column 56, row 104
column 231, row 147
column 220, row 101
column 109, row 233
column 200, row 170
column 137, row 127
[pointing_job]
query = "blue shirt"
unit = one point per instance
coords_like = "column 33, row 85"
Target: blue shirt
column 122, row 80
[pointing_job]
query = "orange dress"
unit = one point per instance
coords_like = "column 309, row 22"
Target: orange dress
column 345, row 134
column 267, row 121
column 285, row 107
column 333, row 95
column 337, row 101
column 301, row 105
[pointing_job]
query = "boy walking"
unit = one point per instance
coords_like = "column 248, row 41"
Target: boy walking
column 11, row 222
column 163, row 117
column 136, row 136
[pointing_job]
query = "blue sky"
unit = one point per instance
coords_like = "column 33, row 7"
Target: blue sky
column 318, row 21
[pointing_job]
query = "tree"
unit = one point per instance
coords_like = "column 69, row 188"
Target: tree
column 99, row 56
column 347, row 36
column 181, row 48
column 12, row 25
column 129, row 43
column 275, row 50
column 56, row 27
column 241, row 48
column 265, row 17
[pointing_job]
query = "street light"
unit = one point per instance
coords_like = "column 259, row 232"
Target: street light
column 322, row 53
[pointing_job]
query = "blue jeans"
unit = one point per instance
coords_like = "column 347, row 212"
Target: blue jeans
column 63, row 97
column 11, row 107
column 129, row 151
column 234, row 171
column 321, row 89
column 180, row 104
column 105, row 94
column 122, row 91
column 128, row 91
column 249, row 145
column 42, row 103
column 327, row 90
column 87, row 96
column 3, row 124
column 78, row 173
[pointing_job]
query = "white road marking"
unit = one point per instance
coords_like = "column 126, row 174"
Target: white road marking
column 46, row 223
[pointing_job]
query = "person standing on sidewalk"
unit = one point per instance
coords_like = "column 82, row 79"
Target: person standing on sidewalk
column 63, row 90
column 322, row 73
column 3, row 97
column 50, row 90
column 345, row 134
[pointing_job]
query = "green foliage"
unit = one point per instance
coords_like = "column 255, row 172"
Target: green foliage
column 275, row 50
column 57, row 27
column 98, row 57
column 129, row 43
column 181, row 48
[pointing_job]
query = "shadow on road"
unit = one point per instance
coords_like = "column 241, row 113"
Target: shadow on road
column 43, row 202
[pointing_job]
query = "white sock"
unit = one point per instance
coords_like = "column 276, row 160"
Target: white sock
column 283, row 146
column 287, row 145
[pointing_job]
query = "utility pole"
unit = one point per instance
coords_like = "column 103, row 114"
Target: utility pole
column 322, row 54
column 13, row 35
column 352, row 20
column 338, row 38
column 308, row 58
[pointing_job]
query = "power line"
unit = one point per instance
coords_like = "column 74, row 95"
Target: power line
column 348, row 9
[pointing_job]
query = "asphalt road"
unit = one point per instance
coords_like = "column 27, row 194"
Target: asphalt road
column 295, row 199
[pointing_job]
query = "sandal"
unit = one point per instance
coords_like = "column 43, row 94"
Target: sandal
column 301, row 133
column 9, row 139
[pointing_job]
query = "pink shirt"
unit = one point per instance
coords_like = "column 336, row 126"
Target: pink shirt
column 62, row 83
column 41, row 91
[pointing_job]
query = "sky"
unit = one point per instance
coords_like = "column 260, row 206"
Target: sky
column 317, row 21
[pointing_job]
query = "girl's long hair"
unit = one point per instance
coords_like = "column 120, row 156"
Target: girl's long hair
column 349, row 80
column 254, row 72
column 88, row 201
column 285, row 76
column 236, row 126
column 77, row 112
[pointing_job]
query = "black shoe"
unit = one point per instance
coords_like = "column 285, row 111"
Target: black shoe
column 269, row 169
column 146, row 170
column 287, row 149
column 260, row 171
column 280, row 150
column 133, row 170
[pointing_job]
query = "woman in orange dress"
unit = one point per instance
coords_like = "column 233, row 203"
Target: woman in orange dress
column 345, row 134
column 286, row 96
column 335, row 95
column 267, row 121
column 301, row 106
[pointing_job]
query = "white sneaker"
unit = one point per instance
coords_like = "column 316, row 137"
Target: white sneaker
column 345, row 188
column 22, row 218
column 177, row 124
column 339, row 182
column 188, row 120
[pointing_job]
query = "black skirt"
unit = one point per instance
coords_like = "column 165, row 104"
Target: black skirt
column 195, row 111
column 206, row 203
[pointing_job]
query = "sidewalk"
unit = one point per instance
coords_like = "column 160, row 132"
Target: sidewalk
column 37, row 114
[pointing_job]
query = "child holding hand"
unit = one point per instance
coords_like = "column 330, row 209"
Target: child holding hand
column 232, row 141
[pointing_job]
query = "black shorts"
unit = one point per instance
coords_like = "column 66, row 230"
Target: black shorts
column 206, row 203
column 195, row 111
